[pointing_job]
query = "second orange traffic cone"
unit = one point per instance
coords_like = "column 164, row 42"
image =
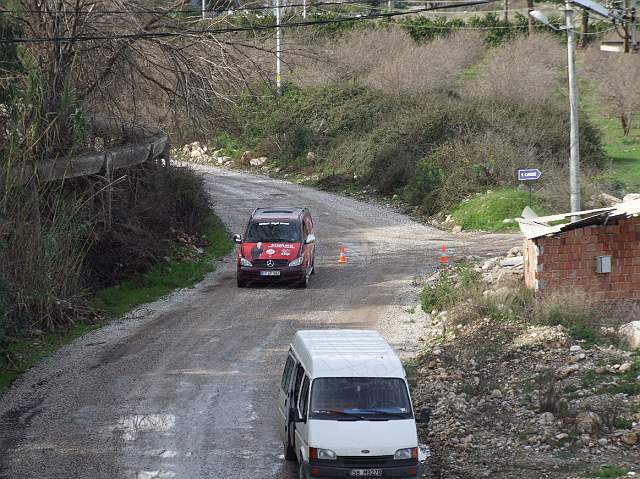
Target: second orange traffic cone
column 342, row 258
column 443, row 255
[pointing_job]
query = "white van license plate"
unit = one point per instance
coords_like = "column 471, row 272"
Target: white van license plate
column 366, row 473
column 269, row 273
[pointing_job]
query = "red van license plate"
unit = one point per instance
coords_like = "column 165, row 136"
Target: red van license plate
column 269, row 273
column 366, row 473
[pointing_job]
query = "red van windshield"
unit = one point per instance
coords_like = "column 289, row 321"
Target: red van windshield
column 272, row 232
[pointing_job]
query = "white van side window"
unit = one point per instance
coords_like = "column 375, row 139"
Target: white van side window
column 286, row 374
column 304, row 398
column 296, row 389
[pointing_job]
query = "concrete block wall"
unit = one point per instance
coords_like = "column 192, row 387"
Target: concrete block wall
column 568, row 260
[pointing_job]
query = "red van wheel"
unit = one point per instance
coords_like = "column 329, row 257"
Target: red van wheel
column 304, row 282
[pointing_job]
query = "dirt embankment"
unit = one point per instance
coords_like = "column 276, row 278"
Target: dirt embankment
column 517, row 392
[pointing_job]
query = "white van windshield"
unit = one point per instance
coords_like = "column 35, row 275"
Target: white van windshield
column 353, row 399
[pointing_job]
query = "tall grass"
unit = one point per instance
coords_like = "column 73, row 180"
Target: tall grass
column 45, row 228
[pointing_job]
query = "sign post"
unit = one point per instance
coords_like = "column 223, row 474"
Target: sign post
column 529, row 175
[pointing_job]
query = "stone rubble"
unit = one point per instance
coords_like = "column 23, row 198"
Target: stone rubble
column 517, row 400
column 198, row 153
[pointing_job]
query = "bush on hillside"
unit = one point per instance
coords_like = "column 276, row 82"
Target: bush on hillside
column 495, row 30
column 397, row 66
column 46, row 234
column 535, row 61
column 5, row 311
column 574, row 310
column 60, row 241
column 493, row 140
column 146, row 207
column 436, row 148
column 615, row 79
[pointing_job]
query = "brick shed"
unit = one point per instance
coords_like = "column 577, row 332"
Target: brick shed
column 599, row 253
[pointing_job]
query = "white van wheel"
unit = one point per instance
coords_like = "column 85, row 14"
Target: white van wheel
column 301, row 474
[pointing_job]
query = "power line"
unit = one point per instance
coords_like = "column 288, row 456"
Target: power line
column 165, row 34
column 452, row 3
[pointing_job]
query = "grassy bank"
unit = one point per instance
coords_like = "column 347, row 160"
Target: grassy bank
column 166, row 276
column 622, row 151
column 488, row 211
column 20, row 354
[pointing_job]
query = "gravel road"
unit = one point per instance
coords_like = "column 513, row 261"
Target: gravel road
column 186, row 387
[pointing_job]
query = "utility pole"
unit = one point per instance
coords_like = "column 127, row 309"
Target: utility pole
column 529, row 10
column 505, row 10
column 634, row 26
column 278, row 49
column 574, row 136
column 203, row 7
column 584, row 30
column 304, row 9
column 389, row 5
column 626, row 27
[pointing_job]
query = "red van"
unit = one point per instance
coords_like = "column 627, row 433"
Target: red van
column 278, row 245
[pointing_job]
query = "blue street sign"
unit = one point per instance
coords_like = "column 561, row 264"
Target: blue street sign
column 529, row 174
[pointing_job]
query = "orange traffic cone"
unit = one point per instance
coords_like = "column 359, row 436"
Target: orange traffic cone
column 342, row 258
column 443, row 255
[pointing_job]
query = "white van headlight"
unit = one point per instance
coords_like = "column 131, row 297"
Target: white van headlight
column 322, row 454
column 408, row 453
column 245, row 262
column 297, row 261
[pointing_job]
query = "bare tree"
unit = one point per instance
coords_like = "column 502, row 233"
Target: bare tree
column 125, row 58
column 397, row 64
column 615, row 78
column 534, row 61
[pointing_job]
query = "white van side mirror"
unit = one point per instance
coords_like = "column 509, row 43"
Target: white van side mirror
column 294, row 415
column 237, row 239
column 425, row 415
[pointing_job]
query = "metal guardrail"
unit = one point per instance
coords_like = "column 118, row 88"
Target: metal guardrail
column 153, row 144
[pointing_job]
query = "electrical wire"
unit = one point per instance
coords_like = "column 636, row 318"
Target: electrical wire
column 212, row 10
column 166, row 34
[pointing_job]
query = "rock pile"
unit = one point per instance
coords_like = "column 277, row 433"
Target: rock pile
column 512, row 399
column 188, row 246
column 198, row 153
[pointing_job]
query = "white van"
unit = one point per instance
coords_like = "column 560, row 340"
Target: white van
column 345, row 409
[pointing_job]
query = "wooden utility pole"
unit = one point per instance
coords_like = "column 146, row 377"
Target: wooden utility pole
column 634, row 25
column 625, row 26
column 505, row 10
column 530, row 9
column 584, row 30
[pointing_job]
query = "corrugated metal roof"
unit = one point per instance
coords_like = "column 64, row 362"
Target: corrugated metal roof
column 537, row 227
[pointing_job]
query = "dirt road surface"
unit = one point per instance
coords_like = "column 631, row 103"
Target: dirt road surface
column 186, row 387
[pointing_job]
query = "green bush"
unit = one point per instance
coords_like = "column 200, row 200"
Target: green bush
column 572, row 309
column 229, row 144
column 440, row 295
column 607, row 472
column 434, row 149
column 495, row 30
column 5, row 316
column 451, row 287
column 9, row 58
